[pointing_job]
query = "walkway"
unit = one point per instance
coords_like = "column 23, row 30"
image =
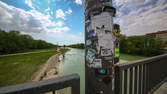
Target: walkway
column 24, row 53
column 162, row 89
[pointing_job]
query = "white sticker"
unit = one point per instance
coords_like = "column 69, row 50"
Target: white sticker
column 88, row 42
column 104, row 19
column 104, row 40
column 106, row 52
column 97, row 63
column 90, row 56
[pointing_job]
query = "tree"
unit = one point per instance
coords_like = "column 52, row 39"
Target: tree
column 141, row 45
column 79, row 45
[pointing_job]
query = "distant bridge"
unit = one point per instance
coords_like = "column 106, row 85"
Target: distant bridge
column 141, row 77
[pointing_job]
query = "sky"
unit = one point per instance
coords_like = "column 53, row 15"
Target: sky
column 62, row 21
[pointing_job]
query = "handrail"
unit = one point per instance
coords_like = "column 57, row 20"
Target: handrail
column 141, row 77
column 44, row 86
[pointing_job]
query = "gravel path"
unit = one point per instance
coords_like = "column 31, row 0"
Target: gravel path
column 23, row 53
column 50, row 69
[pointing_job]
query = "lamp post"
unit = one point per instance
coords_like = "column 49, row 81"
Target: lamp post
column 102, row 46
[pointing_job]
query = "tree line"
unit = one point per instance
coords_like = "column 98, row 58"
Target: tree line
column 144, row 45
column 14, row 42
column 79, row 46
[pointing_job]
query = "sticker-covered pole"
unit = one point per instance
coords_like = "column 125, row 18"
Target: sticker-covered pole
column 102, row 46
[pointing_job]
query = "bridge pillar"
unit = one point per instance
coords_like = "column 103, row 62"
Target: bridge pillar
column 102, row 46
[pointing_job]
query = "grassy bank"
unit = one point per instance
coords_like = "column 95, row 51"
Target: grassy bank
column 20, row 68
column 129, row 57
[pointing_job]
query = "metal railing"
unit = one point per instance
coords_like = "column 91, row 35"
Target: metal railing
column 141, row 77
column 45, row 86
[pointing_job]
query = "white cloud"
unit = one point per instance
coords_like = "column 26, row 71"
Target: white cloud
column 66, row 37
column 78, row 2
column 59, row 29
column 29, row 3
column 141, row 18
column 59, row 23
column 62, row 14
column 16, row 19
column 35, row 23
column 47, row 10
column 32, row 21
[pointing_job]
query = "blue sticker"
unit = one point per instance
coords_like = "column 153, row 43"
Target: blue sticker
column 91, row 32
column 101, row 71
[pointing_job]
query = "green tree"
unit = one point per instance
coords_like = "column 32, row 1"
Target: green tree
column 141, row 45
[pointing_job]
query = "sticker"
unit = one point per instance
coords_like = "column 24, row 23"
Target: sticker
column 106, row 52
column 94, row 38
column 91, row 32
column 107, row 31
column 116, row 32
column 109, row 58
column 90, row 56
column 105, row 40
column 101, row 71
column 104, row 19
column 97, row 63
column 116, row 43
column 116, row 50
column 88, row 42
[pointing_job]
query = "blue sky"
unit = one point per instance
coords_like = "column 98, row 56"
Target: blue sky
column 62, row 21
column 56, row 21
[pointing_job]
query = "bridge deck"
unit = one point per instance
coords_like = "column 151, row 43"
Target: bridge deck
column 162, row 89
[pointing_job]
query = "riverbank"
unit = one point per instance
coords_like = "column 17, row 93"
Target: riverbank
column 21, row 68
column 16, row 69
column 51, row 67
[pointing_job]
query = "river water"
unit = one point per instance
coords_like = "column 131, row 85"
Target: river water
column 74, row 63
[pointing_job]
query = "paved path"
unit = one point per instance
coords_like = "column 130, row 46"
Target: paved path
column 162, row 89
column 122, row 61
column 24, row 53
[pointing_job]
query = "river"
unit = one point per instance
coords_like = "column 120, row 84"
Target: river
column 74, row 63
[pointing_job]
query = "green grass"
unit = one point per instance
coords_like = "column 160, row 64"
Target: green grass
column 129, row 57
column 20, row 68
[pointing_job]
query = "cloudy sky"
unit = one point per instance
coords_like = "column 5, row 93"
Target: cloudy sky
column 138, row 17
column 62, row 21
